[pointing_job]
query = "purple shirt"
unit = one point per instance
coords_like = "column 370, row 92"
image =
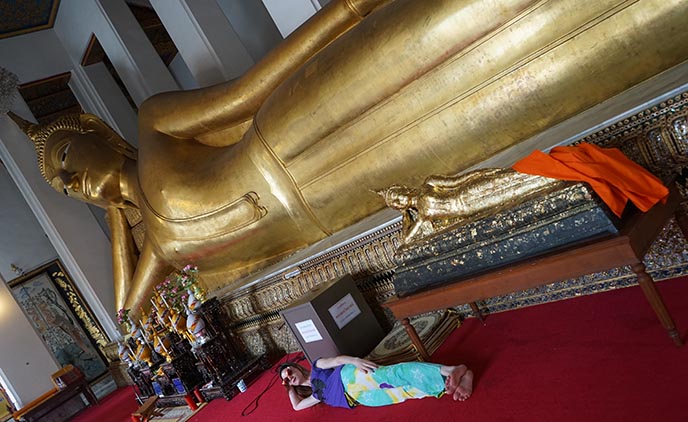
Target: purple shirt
column 327, row 386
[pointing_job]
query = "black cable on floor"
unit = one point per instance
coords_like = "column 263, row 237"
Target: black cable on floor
column 297, row 358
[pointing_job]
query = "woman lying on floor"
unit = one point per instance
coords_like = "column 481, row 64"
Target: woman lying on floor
column 345, row 381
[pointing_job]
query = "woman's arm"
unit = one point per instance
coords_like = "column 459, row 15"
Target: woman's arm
column 298, row 402
column 362, row 364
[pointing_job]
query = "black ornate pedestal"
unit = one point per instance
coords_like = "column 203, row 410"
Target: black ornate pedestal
column 570, row 215
column 183, row 373
column 220, row 360
column 141, row 376
column 223, row 358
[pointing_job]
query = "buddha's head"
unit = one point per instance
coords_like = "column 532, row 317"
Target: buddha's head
column 399, row 197
column 81, row 157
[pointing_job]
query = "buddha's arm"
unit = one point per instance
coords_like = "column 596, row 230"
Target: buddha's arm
column 452, row 182
column 150, row 271
column 190, row 114
column 124, row 256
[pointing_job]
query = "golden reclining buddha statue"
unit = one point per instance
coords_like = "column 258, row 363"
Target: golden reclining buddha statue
column 365, row 95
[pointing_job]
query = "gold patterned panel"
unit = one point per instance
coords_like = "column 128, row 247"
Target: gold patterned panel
column 138, row 232
column 93, row 329
column 133, row 216
column 678, row 132
column 656, row 138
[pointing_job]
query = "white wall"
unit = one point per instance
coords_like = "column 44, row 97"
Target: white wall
column 34, row 56
column 24, row 358
column 23, row 241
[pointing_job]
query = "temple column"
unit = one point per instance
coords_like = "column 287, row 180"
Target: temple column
column 99, row 94
column 131, row 53
column 290, row 15
column 209, row 45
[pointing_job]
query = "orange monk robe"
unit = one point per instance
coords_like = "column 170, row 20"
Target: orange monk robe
column 614, row 177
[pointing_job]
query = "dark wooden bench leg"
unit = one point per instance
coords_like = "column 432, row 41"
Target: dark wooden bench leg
column 652, row 294
column 476, row 312
column 682, row 221
column 413, row 335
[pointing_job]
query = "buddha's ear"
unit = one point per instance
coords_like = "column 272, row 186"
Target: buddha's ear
column 92, row 123
column 95, row 124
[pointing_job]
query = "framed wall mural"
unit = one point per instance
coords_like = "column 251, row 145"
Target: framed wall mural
column 62, row 318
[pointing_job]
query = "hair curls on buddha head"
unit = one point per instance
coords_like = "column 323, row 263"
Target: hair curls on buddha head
column 79, row 123
column 398, row 196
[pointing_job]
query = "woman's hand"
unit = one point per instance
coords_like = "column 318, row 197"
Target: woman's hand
column 364, row 365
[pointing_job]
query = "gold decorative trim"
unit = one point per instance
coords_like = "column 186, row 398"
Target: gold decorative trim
column 75, row 300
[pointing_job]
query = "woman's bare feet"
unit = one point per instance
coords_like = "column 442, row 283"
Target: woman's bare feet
column 465, row 387
column 454, row 378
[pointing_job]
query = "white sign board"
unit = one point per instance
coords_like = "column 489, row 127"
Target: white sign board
column 344, row 311
column 308, row 331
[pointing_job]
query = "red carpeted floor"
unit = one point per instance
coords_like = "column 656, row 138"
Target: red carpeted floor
column 603, row 357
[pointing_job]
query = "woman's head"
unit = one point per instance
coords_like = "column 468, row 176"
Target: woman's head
column 293, row 374
column 297, row 377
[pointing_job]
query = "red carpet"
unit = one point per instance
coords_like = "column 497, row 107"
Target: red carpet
column 595, row 358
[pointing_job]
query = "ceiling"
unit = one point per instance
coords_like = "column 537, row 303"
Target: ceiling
column 23, row 16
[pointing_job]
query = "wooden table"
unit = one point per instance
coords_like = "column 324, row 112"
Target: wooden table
column 146, row 411
column 627, row 248
column 58, row 406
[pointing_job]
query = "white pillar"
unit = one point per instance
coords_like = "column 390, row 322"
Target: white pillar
column 99, row 94
column 289, row 15
column 253, row 24
column 131, row 53
column 205, row 39
column 81, row 244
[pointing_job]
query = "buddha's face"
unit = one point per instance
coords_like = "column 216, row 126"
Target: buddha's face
column 398, row 197
column 85, row 167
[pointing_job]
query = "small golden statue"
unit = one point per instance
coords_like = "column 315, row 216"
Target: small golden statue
column 162, row 346
column 143, row 352
column 449, row 201
column 178, row 323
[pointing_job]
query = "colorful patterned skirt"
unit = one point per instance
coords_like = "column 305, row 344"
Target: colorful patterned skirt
column 392, row 384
